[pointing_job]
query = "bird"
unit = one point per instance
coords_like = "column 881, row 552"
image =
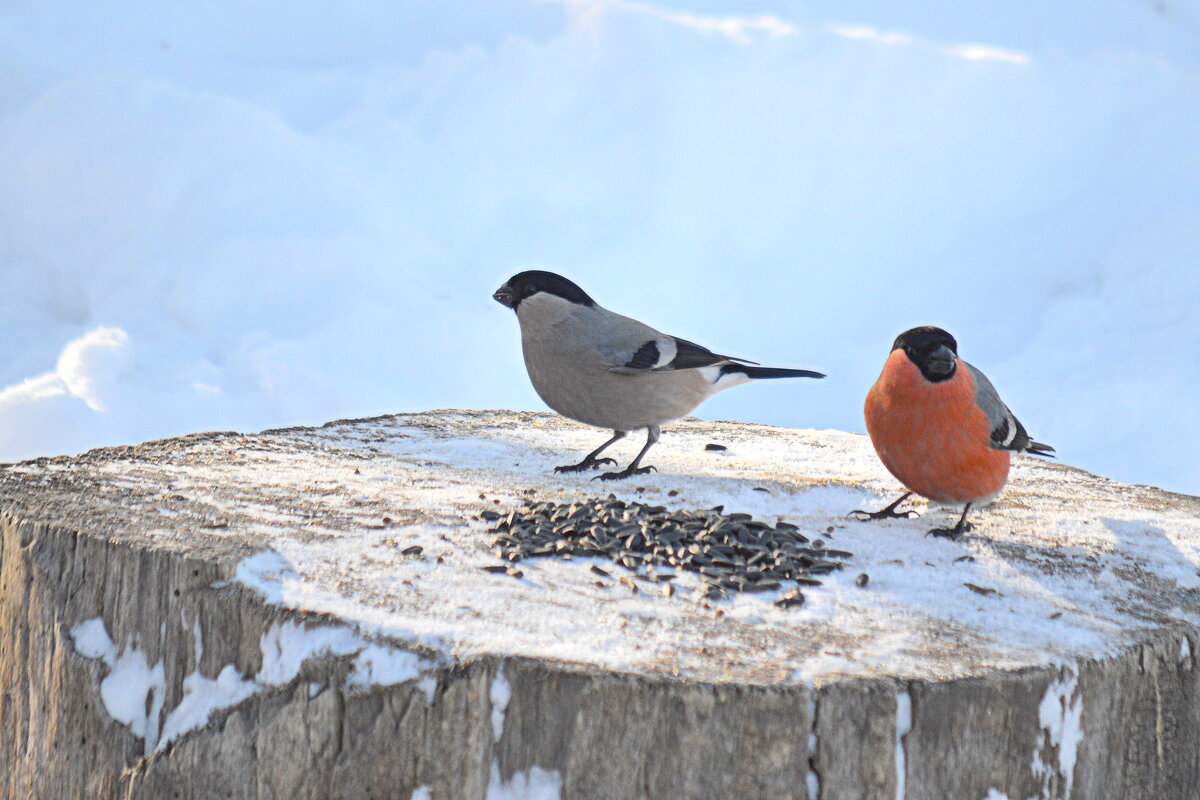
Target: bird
column 940, row 427
column 603, row 369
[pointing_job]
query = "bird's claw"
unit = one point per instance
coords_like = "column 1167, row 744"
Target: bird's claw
column 585, row 465
column 886, row 513
column 944, row 533
column 952, row 534
column 625, row 473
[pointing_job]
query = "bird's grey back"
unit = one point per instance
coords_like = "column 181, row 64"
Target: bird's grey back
column 574, row 353
column 1007, row 431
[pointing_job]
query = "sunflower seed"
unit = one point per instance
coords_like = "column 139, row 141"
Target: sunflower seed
column 730, row 552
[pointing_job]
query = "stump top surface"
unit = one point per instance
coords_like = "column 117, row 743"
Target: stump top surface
column 1064, row 565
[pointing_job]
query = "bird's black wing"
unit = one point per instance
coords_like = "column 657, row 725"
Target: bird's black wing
column 662, row 353
column 689, row 355
column 1007, row 431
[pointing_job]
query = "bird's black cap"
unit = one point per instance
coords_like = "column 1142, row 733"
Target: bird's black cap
column 528, row 283
column 926, row 337
column 923, row 346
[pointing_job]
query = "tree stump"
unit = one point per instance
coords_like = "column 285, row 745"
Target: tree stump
column 332, row 613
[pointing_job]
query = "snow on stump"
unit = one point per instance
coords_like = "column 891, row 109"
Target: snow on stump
column 330, row 613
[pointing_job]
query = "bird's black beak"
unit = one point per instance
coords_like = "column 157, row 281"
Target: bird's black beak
column 940, row 361
column 505, row 296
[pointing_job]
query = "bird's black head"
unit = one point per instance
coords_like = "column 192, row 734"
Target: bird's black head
column 932, row 350
column 527, row 284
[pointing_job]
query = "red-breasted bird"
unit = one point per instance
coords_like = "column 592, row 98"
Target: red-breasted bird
column 939, row 426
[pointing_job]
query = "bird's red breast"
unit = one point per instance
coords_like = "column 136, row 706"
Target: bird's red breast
column 933, row 437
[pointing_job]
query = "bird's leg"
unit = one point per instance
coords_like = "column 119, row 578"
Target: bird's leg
column 590, row 459
column 888, row 512
column 652, row 434
column 957, row 530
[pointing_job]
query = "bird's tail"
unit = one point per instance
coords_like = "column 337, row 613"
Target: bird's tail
column 722, row 376
column 756, row 373
column 1039, row 449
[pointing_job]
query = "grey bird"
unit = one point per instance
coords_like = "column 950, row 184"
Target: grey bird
column 603, row 369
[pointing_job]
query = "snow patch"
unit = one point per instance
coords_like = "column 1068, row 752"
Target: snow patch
column 134, row 691
column 92, row 641
column 1185, row 649
column 501, row 693
column 427, row 683
column 903, row 727
column 812, row 780
column 533, row 784
column 422, row 793
column 382, row 665
column 264, row 572
column 1060, row 715
column 201, row 698
column 287, row 645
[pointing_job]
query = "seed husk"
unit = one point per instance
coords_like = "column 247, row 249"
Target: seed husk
column 790, row 599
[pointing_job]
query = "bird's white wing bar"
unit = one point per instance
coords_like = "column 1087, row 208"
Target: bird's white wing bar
column 661, row 354
column 637, row 356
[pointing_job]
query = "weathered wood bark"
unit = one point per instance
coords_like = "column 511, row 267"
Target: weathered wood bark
column 1123, row 725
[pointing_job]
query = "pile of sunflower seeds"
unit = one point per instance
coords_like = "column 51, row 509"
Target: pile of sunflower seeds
column 731, row 552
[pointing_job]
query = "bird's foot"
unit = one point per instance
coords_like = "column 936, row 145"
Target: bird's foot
column 950, row 533
column 887, row 512
column 884, row 513
column 625, row 473
column 587, row 463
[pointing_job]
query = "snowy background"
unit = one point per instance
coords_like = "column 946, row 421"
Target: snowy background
column 253, row 214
